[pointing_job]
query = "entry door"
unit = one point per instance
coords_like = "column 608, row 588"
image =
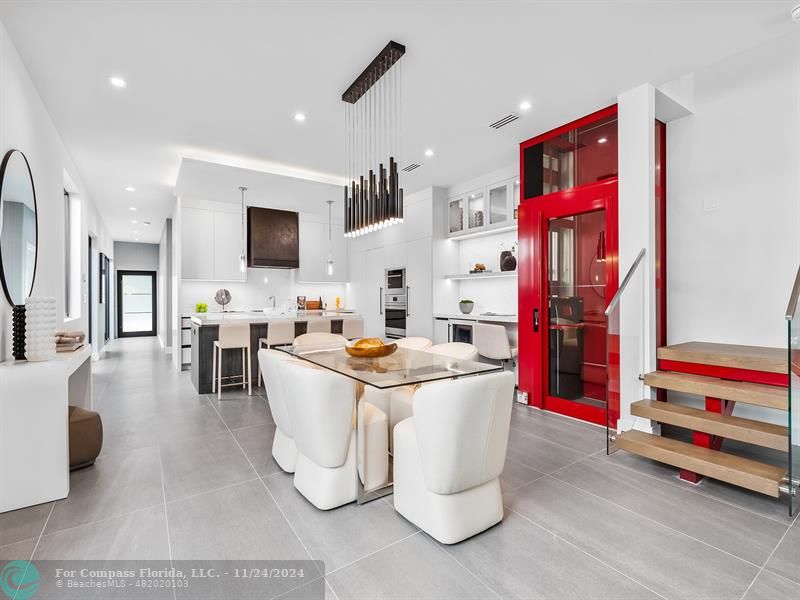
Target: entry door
column 136, row 303
column 573, row 278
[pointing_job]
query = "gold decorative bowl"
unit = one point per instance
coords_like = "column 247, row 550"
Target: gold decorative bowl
column 370, row 351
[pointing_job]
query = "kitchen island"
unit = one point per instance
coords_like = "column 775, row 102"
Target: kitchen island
column 205, row 331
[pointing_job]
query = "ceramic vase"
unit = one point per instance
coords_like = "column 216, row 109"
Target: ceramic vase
column 507, row 261
column 40, row 328
column 18, row 327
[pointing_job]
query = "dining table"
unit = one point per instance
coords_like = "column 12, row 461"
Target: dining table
column 403, row 367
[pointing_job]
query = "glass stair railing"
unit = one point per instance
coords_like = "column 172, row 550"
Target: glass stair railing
column 792, row 483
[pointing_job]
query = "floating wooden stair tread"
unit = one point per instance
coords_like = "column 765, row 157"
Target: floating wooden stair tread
column 743, row 472
column 769, row 396
column 735, row 428
column 754, row 358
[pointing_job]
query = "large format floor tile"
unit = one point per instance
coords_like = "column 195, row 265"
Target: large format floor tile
column 242, row 411
column 117, row 484
column 24, row 523
column 257, row 445
column 723, row 526
column 237, row 522
column 341, row 535
column 540, row 454
column 200, row 464
column 202, row 420
column 413, row 568
column 515, row 474
column 141, row 535
column 786, row 560
column 769, row 586
column 582, row 437
column 667, row 562
column 17, row 551
column 517, row 559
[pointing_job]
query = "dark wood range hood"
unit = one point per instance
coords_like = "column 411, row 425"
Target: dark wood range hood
column 273, row 238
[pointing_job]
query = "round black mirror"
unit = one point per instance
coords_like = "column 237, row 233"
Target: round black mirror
column 18, row 227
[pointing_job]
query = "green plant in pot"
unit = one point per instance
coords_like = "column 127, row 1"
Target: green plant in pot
column 466, row 306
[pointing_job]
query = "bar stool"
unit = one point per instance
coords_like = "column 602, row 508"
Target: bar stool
column 320, row 339
column 279, row 333
column 232, row 336
column 318, row 326
column 492, row 342
column 353, row 328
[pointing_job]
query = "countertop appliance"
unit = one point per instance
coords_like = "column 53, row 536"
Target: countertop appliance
column 394, row 299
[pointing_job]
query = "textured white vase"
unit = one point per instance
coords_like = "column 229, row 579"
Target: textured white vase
column 40, row 328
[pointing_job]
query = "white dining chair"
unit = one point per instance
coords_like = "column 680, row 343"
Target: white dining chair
column 318, row 326
column 492, row 343
column 233, row 335
column 353, row 328
column 449, row 456
column 457, row 350
column 414, row 343
column 279, row 333
column 321, row 407
column 320, row 339
column 284, row 450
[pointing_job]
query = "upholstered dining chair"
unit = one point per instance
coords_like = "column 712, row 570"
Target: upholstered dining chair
column 233, row 335
column 278, row 334
column 319, row 339
column 457, row 350
column 353, row 328
column 321, row 407
column 284, row 450
column 449, row 456
column 414, row 343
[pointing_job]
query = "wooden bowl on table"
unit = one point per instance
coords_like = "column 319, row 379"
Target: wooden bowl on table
column 370, row 348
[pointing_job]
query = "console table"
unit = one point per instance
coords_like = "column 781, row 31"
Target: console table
column 34, row 428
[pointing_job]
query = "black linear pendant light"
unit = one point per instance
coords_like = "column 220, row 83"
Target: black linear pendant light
column 373, row 198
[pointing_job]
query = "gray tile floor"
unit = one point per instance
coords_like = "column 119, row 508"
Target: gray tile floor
column 184, row 476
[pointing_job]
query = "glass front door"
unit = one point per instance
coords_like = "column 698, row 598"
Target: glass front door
column 576, row 299
column 136, row 301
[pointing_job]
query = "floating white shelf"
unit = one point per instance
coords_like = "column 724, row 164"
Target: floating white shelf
column 483, row 232
column 484, row 275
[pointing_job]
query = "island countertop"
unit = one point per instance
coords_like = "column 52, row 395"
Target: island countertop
column 214, row 318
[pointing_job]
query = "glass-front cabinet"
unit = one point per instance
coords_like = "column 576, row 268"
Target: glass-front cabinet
column 492, row 207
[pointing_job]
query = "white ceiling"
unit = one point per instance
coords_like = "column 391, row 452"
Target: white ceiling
column 225, row 78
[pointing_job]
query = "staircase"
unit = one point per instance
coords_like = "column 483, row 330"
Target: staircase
column 724, row 374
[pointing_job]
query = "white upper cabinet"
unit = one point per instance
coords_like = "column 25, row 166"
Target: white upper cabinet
column 484, row 209
column 211, row 242
column 314, row 252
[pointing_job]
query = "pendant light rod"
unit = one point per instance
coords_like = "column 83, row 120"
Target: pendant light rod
column 243, row 255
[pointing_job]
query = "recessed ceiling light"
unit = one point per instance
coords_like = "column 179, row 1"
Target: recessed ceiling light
column 796, row 13
column 133, row 208
column 602, row 140
column 134, row 221
column 130, row 188
column 135, row 232
column 135, row 239
column 525, row 105
column 300, row 117
column 428, row 152
column 118, row 82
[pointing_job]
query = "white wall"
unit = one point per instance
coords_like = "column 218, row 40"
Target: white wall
column 26, row 125
column 165, row 287
column 133, row 256
column 733, row 199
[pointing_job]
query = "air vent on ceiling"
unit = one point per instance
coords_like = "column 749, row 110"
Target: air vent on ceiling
column 504, row 121
column 411, row 167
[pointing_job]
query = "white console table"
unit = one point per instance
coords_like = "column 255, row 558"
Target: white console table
column 34, row 430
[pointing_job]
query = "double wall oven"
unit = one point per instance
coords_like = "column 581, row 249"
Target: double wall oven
column 394, row 299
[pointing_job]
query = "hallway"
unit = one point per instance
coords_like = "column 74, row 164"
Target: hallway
column 184, row 476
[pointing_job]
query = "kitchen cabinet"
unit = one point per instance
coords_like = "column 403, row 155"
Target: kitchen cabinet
column 484, row 209
column 372, row 290
column 211, row 242
column 314, row 252
column 419, row 320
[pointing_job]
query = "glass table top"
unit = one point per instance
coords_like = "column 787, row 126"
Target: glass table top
column 403, row 367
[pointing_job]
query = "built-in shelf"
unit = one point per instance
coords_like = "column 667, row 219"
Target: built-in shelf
column 483, row 232
column 484, row 275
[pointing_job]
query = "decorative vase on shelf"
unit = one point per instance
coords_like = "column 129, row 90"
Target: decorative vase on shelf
column 18, row 326
column 40, row 328
column 466, row 306
column 507, row 261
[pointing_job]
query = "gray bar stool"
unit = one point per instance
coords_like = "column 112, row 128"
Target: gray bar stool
column 279, row 333
column 233, row 335
column 492, row 343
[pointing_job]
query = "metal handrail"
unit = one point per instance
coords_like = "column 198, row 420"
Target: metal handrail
column 791, row 309
column 624, row 284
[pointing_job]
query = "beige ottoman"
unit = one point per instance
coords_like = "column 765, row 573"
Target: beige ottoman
column 85, row 437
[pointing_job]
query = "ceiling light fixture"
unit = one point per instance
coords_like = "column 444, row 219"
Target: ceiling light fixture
column 133, row 208
column 243, row 255
column 602, row 140
column 134, row 222
column 299, row 117
column 118, row 82
column 428, row 152
column 796, row 13
column 525, row 105
column 373, row 198
column 329, row 262
column 135, row 232
column 130, row 188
